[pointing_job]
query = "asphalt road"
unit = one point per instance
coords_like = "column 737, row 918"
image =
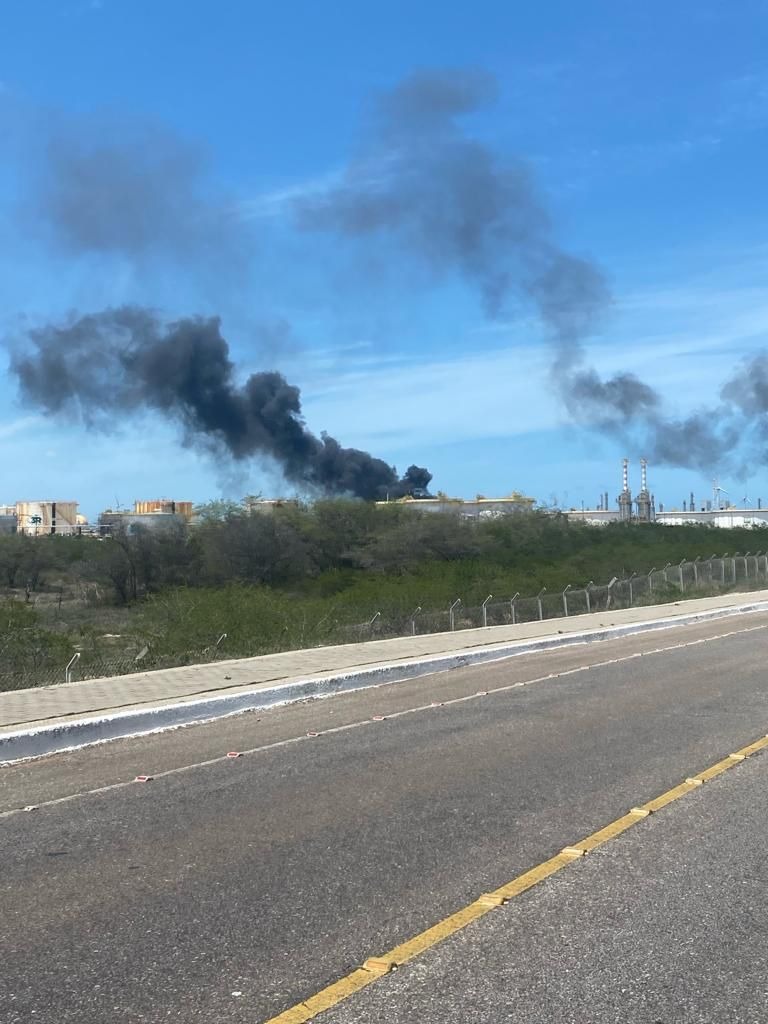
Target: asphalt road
column 229, row 891
column 666, row 925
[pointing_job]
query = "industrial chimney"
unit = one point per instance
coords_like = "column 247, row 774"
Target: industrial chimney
column 625, row 498
column 644, row 498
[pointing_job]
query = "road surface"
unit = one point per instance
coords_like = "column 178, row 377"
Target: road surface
column 233, row 889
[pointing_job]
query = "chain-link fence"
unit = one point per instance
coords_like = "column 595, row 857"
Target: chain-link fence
column 700, row 577
column 715, row 575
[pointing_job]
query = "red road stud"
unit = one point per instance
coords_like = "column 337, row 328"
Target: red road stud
column 144, row 778
column 234, row 753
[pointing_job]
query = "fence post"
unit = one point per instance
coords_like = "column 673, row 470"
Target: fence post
column 565, row 599
column 682, row 581
column 586, row 595
column 664, row 570
column 538, row 599
column 631, row 595
column 696, row 570
column 650, row 580
column 451, row 611
column 746, row 566
column 512, row 607
column 68, row 670
column 485, row 610
column 608, row 599
column 414, row 613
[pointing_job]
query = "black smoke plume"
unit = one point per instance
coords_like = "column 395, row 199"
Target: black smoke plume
column 453, row 203
column 423, row 184
column 126, row 359
column 114, row 185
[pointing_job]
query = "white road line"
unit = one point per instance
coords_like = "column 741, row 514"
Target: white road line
column 370, row 721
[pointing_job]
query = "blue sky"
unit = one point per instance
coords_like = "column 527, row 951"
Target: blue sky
column 643, row 125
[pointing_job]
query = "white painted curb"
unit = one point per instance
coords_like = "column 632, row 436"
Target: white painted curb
column 81, row 732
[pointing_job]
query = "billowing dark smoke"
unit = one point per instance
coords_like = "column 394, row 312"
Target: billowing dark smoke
column 423, row 185
column 125, row 360
column 449, row 200
column 459, row 207
column 118, row 186
column 619, row 398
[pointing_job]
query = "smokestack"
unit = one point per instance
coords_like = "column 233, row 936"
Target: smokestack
column 625, row 498
column 644, row 498
column 693, row 503
column 685, row 505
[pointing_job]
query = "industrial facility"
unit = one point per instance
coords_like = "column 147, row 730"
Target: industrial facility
column 40, row 518
column 156, row 514
column 715, row 511
column 470, row 508
column 46, row 517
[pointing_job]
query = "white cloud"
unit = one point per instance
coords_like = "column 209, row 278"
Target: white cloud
column 17, row 426
column 493, row 391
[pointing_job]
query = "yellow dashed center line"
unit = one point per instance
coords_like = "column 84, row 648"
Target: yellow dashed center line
column 376, row 967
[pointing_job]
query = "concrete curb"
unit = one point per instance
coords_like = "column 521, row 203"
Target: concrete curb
column 85, row 731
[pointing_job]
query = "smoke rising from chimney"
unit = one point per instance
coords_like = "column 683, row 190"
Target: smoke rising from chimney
column 126, row 360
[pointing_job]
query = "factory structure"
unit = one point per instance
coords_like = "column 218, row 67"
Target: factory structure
column 40, row 518
column 54, row 517
column 715, row 511
column 470, row 508
column 158, row 514
column 61, row 518
column 641, row 509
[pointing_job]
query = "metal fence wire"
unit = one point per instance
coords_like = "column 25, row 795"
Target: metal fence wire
column 711, row 576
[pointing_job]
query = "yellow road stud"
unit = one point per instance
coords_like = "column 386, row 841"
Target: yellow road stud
column 492, row 899
column 379, row 965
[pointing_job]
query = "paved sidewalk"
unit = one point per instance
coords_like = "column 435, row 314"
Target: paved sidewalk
column 46, row 705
